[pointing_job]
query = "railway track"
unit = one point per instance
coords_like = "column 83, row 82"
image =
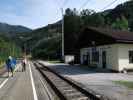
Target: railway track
column 65, row 89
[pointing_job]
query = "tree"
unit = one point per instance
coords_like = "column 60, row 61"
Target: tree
column 91, row 18
column 120, row 24
column 72, row 26
column 124, row 23
column 98, row 20
column 86, row 17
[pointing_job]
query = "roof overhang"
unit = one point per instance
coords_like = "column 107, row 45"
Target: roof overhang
column 125, row 41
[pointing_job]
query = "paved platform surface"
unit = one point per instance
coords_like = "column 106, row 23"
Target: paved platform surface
column 101, row 83
column 20, row 87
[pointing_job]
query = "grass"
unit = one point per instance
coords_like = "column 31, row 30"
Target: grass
column 1, row 66
column 128, row 84
column 54, row 61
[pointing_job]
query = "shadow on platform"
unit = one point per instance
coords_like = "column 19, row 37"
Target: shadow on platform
column 78, row 69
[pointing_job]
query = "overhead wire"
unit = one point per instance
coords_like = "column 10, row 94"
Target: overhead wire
column 107, row 6
column 59, row 6
column 56, row 11
column 84, row 4
column 110, row 4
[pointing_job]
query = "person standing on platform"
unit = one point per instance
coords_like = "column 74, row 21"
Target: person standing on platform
column 9, row 65
column 24, row 61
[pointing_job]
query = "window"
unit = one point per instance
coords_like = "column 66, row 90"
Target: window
column 130, row 56
column 85, row 59
column 95, row 56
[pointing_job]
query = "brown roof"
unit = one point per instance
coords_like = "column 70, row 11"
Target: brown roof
column 103, row 36
column 116, row 34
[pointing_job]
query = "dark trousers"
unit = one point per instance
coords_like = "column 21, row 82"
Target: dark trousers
column 23, row 67
column 10, row 69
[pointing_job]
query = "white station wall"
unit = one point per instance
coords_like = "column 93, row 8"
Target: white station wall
column 111, row 55
column 124, row 56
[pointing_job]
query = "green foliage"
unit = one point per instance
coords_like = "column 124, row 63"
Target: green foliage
column 122, row 10
column 121, row 24
column 98, row 20
column 48, row 48
column 72, row 26
column 128, row 84
column 7, row 48
column 86, row 17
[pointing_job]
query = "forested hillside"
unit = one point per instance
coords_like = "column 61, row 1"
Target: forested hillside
column 46, row 42
column 12, row 30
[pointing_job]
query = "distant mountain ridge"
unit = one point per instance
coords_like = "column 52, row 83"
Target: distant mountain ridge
column 12, row 30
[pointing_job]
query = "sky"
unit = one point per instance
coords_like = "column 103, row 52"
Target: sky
column 38, row 13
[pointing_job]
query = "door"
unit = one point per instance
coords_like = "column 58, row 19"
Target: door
column 88, row 58
column 104, row 59
column 85, row 59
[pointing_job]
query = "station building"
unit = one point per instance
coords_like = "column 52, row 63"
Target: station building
column 106, row 48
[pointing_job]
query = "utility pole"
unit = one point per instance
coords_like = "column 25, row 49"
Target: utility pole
column 62, row 34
